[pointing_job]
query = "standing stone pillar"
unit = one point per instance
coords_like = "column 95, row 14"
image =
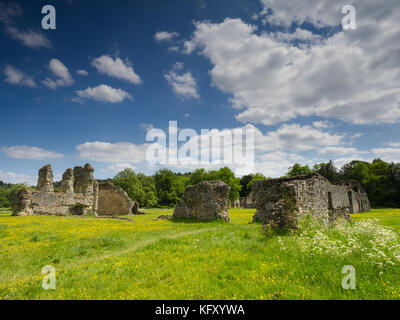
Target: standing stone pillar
column 45, row 180
column 67, row 183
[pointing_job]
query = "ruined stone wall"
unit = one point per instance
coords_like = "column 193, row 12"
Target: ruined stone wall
column 247, row 202
column 113, row 200
column 78, row 194
column 281, row 202
column 359, row 201
column 205, row 201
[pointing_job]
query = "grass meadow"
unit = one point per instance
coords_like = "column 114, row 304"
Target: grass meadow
column 147, row 259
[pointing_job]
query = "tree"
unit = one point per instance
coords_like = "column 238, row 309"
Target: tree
column 149, row 198
column 327, row 170
column 244, row 182
column 228, row 176
column 130, row 183
column 168, row 187
column 256, row 177
column 298, row 170
column 197, row 176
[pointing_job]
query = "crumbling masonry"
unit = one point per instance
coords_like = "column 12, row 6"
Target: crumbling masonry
column 80, row 194
column 282, row 202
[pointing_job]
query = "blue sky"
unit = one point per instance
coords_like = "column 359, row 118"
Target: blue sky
column 89, row 90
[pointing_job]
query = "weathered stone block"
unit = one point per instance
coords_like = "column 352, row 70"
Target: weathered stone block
column 112, row 200
column 205, row 201
column 282, row 202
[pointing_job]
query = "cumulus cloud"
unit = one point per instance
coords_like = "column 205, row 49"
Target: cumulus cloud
column 182, row 83
column 104, row 93
column 12, row 177
column 387, row 154
column 341, row 151
column 82, row 72
column 116, row 68
column 17, row 77
column 29, row 152
column 393, row 144
column 121, row 152
column 118, row 167
column 165, row 36
column 30, row 38
column 296, row 137
column 352, row 76
column 62, row 77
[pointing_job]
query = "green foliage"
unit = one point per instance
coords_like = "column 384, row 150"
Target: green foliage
column 224, row 174
column 379, row 178
column 130, row 183
column 256, row 177
column 298, row 170
column 149, row 198
column 327, row 170
column 169, row 187
column 8, row 193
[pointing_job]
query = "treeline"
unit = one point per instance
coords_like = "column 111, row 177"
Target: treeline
column 380, row 179
column 165, row 188
column 7, row 194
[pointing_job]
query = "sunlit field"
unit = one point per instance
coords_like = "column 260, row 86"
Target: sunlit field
column 147, row 259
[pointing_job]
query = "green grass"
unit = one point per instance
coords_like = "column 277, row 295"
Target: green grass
column 146, row 259
column 386, row 217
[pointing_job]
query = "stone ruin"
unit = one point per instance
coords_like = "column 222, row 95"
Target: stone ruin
column 80, row 194
column 247, row 202
column 282, row 202
column 205, row 201
column 358, row 197
column 113, row 200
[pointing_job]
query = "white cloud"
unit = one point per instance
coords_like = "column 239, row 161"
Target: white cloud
column 183, row 84
column 11, row 177
column 28, row 152
column 146, row 126
column 178, row 66
column 340, row 151
column 352, row 76
column 116, row 68
column 295, row 137
column 299, row 34
column 393, row 144
column 121, row 152
column 8, row 12
column 82, row 72
column 17, row 77
column 166, row 36
column 29, row 38
column 62, row 76
column 104, row 93
column 322, row 124
column 277, row 163
column 387, row 154
column 118, row 167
